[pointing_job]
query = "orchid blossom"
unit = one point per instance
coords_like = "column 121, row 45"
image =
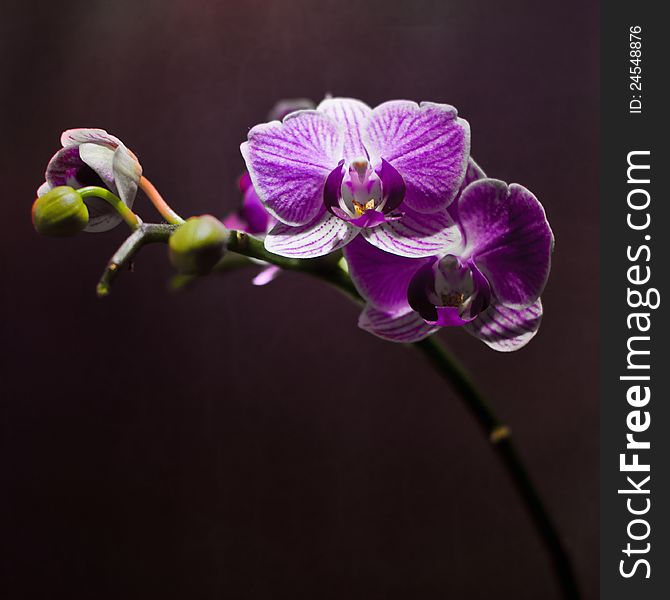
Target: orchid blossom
column 345, row 169
column 490, row 284
column 93, row 157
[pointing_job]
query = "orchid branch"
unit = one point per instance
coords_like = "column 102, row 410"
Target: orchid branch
column 330, row 269
column 146, row 233
column 500, row 437
column 159, row 203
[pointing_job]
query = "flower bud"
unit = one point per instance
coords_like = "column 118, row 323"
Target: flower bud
column 198, row 245
column 60, row 212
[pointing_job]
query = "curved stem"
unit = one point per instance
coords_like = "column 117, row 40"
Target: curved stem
column 327, row 268
column 330, row 269
column 157, row 200
column 500, row 437
column 132, row 220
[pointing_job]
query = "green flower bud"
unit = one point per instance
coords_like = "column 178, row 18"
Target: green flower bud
column 60, row 212
column 198, row 245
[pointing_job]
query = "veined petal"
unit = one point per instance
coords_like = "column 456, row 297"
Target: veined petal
column 83, row 135
column 63, row 167
column 506, row 329
column 127, row 172
column 94, row 157
column 473, row 173
column 102, row 217
column 381, row 278
column 417, row 235
column 322, row 236
column 351, row 115
column 508, row 236
column 404, row 327
column 251, row 217
column 429, row 146
column 288, row 163
column 67, row 168
column 101, row 160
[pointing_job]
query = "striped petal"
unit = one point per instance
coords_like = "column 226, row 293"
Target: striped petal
column 127, row 173
column 507, row 329
column 322, row 236
column 416, row 235
column 395, row 327
column 351, row 115
column 381, row 278
column 473, row 173
column 507, row 234
column 83, row 135
column 428, row 145
column 288, row 163
column 120, row 171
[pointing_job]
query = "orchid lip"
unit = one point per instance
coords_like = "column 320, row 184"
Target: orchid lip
column 364, row 196
column 449, row 292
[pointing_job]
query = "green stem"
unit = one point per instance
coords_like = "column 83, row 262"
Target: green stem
column 500, row 437
column 327, row 268
column 115, row 202
column 330, row 270
column 146, row 233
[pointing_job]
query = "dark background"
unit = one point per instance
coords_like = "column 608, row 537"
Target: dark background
column 252, row 443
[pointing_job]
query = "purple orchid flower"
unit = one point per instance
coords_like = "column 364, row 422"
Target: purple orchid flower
column 252, row 218
column 387, row 173
column 490, row 285
column 94, row 157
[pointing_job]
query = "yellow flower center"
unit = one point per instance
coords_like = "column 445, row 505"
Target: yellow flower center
column 453, row 299
column 359, row 208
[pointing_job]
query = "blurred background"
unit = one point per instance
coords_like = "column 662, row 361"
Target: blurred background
column 252, row 443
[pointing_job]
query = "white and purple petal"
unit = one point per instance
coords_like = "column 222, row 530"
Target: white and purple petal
column 322, row 236
column 94, row 157
column 351, row 115
column 405, row 327
column 507, row 329
column 508, row 237
column 84, row 135
column 381, row 278
column 428, row 145
column 473, row 173
column 251, row 217
column 127, row 173
column 289, row 162
column 416, row 235
column 268, row 274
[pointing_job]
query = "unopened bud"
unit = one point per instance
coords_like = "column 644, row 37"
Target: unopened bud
column 60, row 212
column 198, row 245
